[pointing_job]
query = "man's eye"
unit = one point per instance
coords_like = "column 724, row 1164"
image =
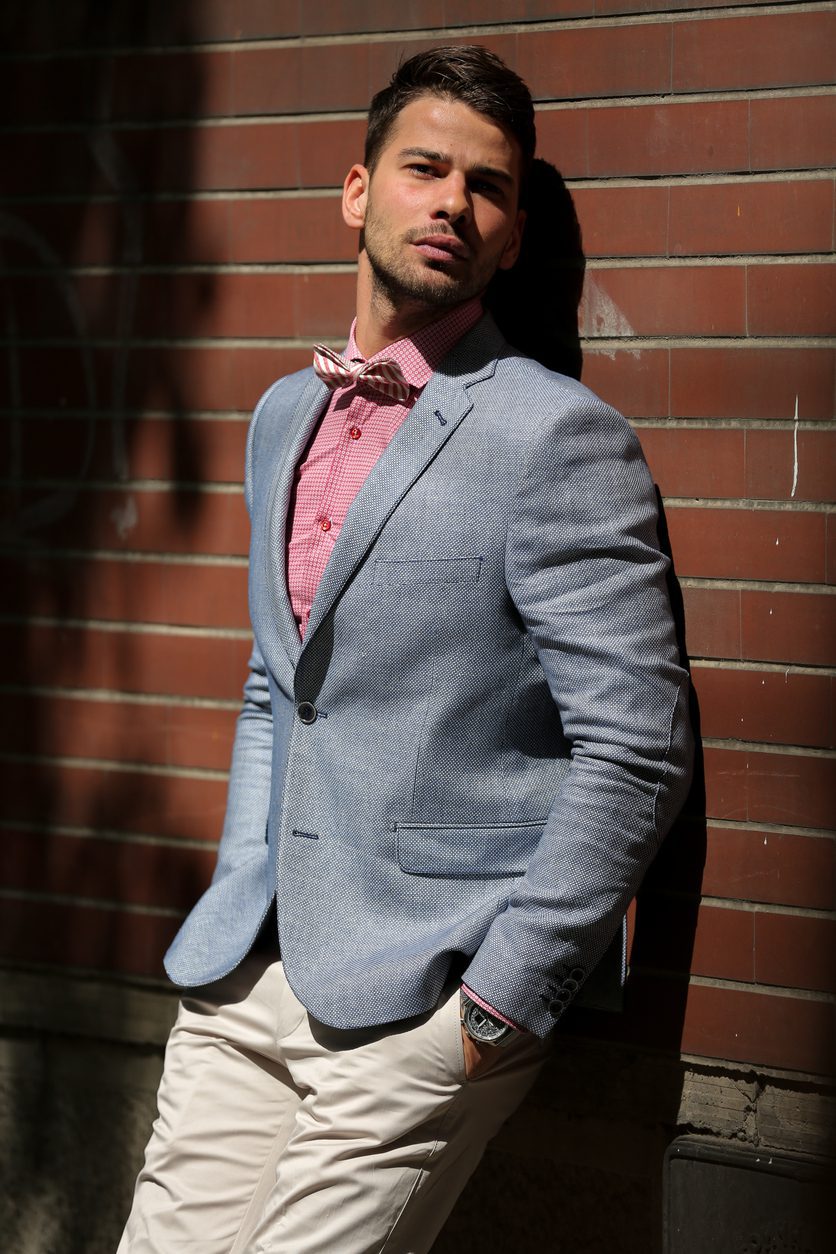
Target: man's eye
column 486, row 188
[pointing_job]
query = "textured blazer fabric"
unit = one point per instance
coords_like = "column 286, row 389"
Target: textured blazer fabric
column 475, row 753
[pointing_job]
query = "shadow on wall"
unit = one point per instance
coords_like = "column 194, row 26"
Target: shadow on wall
column 535, row 304
column 599, row 1121
column 74, row 238
column 580, row 1166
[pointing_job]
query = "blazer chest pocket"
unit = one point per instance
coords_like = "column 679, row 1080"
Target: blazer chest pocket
column 426, row 570
column 467, row 852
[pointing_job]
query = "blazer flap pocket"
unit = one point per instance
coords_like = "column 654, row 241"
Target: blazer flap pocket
column 427, row 570
column 467, row 852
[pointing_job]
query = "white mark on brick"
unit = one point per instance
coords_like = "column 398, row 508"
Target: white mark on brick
column 795, row 449
column 603, row 318
column 125, row 517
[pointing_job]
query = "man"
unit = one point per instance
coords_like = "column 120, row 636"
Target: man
column 463, row 734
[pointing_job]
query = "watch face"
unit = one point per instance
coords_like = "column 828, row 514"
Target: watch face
column 481, row 1026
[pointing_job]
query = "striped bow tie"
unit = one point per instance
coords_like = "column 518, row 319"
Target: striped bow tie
column 384, row 376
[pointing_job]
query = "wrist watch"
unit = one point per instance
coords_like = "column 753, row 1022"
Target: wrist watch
column 483, row 1027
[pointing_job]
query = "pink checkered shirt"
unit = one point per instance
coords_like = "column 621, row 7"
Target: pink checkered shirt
column 355, row 429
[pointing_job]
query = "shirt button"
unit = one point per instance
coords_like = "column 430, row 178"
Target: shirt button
column 355, row 433
column 325, row 525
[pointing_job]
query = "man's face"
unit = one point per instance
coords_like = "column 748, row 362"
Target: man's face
column 439, row 214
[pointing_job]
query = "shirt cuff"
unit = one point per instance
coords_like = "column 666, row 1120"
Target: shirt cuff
column 497, row 1014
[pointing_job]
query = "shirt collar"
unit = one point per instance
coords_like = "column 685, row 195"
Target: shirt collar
column 420, row 354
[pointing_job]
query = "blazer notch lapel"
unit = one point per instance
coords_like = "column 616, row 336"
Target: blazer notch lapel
column 278, row 609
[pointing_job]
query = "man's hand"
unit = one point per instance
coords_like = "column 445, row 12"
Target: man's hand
column 477, row 1058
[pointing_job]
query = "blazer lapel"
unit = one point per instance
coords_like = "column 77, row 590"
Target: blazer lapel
column 280, row 614
column 426, row 429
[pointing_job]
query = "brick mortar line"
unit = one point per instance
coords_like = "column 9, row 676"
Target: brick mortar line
column 113, row 696
column 112, row 766
column 242, row 417
column 773, row 829
column 820, row 174
column 107, row 415
column 750, row 505
column 747, row 1070
column 223, row 121
column 95, row 903
column 748, row 905
column 142, row 838
column 753, row 666
column 742, row 986
column 118, row 696
column 741, row 342
column 632, row 344
column 721, row 424
column 735, row 745
column 755, row 585
column 148, row 984
column 698, row 582
column 105, row 903
column 536, row 26
column 163, row 270
column 600, row 262
column 168, row 771
column 233, row 488
column 127, row 627
column 108, row 834
column 711, row 178
column 163, row 487
column 230, row 561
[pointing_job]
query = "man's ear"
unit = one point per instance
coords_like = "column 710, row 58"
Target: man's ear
column 512, row 248
column 355, row 195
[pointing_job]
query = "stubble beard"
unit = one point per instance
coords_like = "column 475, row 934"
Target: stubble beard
column 429, row 285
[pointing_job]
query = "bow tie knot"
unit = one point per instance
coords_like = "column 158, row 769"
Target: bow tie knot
column 384, row 376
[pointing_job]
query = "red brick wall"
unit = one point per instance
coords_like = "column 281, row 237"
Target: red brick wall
column 172, row 243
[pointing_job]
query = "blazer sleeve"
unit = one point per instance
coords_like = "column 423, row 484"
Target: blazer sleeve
column 584, row 569
column 248, row 797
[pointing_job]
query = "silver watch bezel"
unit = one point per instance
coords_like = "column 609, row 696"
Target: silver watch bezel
column 475, row 1020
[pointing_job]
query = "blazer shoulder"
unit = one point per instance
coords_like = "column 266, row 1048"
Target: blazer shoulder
column 515, row 371
column 273, row 411
column 282, row 395
column 276, row 405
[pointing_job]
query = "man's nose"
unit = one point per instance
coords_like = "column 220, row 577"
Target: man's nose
column 453, row 198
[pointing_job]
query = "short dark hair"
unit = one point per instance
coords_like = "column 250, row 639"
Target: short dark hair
column 469, row 73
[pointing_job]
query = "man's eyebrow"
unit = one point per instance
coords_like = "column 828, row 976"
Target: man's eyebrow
column 426, row 153
column 443, row 158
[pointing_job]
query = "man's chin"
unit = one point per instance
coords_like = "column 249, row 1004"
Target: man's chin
column 432, row 295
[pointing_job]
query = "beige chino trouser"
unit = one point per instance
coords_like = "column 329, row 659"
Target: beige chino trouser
column 277, row 1133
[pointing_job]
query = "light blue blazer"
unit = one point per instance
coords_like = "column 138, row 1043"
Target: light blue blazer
column 469, row 763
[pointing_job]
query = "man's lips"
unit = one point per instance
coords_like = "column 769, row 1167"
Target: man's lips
column 440, row 247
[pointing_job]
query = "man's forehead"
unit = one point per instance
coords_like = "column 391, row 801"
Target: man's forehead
column 438, row 124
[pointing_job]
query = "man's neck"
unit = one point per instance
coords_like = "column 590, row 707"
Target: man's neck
column 380, row 322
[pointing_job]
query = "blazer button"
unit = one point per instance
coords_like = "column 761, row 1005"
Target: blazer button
column 306, row 712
